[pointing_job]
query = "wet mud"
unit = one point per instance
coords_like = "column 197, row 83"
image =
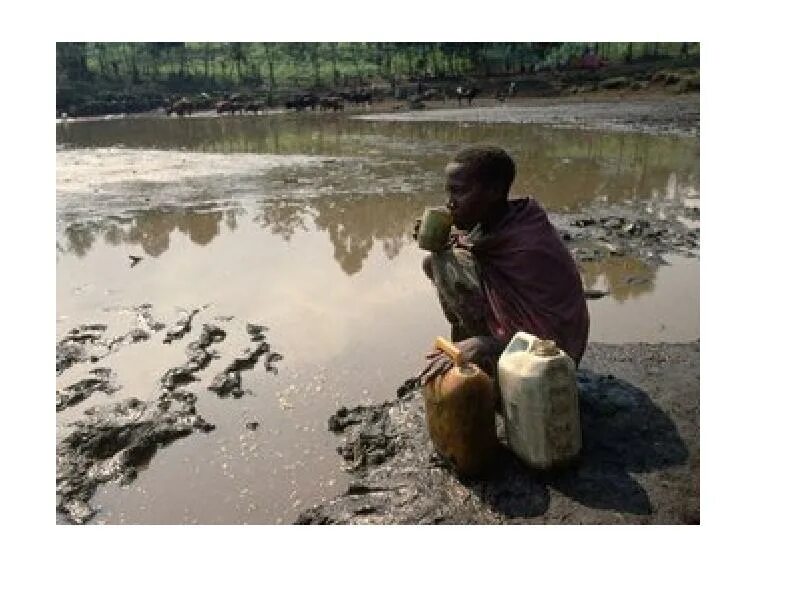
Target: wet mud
column 229, row 381
column 113, row 442
column 656, row 115
column 198, row 356
column 101, row 380
column 180, row 328
column 88, row 342
column 597, row 238
column 639, row 462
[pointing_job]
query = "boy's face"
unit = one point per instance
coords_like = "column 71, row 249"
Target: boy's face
column 469, row 199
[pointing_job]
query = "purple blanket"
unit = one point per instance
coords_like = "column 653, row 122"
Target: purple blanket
column 530, row 280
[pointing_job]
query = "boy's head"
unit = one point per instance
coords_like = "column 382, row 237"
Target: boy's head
column 478, row 180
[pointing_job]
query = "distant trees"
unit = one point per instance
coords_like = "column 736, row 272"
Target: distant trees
column 237, row 55
column 326, row 64
column 71, row 60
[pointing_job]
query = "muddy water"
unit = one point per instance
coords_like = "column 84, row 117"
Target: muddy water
column 303, row 223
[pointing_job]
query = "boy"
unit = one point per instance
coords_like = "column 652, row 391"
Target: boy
column 507, row 270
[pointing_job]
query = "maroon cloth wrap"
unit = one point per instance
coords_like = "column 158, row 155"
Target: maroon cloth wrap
column 530, row 280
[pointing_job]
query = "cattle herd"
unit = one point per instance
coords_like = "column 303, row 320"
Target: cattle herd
column 241, row 104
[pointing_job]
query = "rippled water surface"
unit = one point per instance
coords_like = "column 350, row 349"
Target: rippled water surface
column 303, row 222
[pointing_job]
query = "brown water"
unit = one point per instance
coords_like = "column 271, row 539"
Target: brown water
column 303, row 223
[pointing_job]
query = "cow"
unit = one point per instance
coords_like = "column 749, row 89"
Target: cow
column 302, row 101
column 204, row 101
column 358, row 97
column 466, row 92
column 331, row 102
column 229, row 106
column 254, row 107
column 180, row 107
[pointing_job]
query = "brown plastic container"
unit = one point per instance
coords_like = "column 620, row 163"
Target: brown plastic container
column 459, row 412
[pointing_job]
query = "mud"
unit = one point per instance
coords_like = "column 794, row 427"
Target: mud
column 655, row 115
column 101, row 380
column 639, row 463
column 181, row 328
column 114, row 442
column 145, row 317
column 198, row 358
column 229, row 381
column 373, row 442
column 601, row 236
column 87, row 342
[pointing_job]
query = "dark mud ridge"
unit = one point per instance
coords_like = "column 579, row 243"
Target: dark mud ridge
column 629, row 234
column 649, row 240
column 113, row 442
column 640, row 461
column 87, row 342
column 229, row 381
column 100, row 380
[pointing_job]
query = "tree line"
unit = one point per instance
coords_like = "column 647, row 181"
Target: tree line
column 194, row 65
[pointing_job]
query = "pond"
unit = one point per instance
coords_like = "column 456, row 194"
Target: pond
column 302, row 222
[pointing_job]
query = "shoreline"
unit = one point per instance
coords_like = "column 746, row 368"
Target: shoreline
column 640, row 462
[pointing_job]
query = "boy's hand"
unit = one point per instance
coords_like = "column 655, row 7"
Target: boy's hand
column 482, row 350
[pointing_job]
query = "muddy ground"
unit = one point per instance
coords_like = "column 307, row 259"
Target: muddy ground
column 114, row 441
column 640, row 415
column 640, row 403
column 647, row 112
column 640, row 461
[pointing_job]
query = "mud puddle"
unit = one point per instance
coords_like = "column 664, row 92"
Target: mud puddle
column 303, row 225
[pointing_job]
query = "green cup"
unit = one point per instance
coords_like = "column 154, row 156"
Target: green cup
column 434, row 229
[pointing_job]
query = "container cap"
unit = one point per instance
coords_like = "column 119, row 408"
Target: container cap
column 545, row 348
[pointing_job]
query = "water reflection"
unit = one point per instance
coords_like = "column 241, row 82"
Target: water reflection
column 283, row 218
column 80, row 238
column 353, row 227
column 150, row 229
column 623, row 277
column 368, row 197
column 563, row 167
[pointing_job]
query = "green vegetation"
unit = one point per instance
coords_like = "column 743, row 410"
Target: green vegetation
column 98, row 72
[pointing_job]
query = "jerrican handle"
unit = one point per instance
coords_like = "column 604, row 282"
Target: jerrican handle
column 451, row 350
